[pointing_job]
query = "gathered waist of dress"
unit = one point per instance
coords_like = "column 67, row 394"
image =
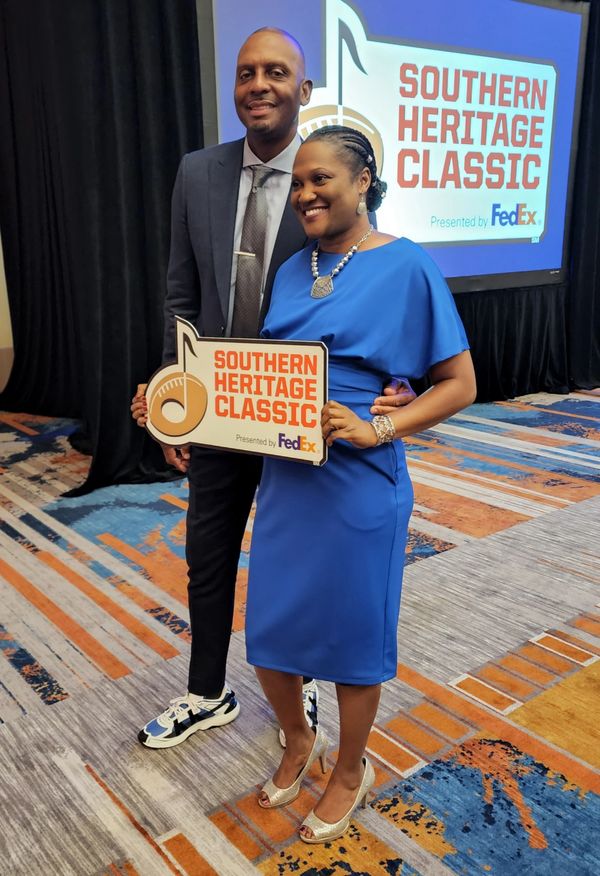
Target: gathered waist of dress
column 348, row 378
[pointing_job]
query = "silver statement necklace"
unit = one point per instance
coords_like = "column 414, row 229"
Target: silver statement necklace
column 323, row 286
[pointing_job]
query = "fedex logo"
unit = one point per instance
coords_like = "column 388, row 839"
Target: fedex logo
column 298, row 443
column 519, row 216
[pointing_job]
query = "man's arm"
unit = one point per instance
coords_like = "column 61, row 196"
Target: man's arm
column 182, row 299
column 183, row 283
column 397, row 393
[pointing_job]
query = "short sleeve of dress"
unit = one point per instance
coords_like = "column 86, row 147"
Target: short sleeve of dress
column 438, row 332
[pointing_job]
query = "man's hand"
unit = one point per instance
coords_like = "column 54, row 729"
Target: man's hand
column 139, row 406
column 178, row 457
column 396, row 394
column 338, row 421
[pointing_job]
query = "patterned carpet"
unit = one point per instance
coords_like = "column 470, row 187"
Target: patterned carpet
column 487, row 744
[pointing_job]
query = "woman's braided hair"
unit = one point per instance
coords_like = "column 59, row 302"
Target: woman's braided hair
column 356, row 151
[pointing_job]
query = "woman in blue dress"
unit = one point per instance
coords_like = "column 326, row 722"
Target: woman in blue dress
column 328, row 543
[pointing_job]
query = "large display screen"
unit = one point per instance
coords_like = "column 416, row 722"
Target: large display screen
column 472, row 109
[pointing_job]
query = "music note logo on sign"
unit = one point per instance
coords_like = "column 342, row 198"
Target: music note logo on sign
column 177, row 399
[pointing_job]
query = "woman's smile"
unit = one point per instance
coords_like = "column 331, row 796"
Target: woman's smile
column 325, row 195
column 311, row 212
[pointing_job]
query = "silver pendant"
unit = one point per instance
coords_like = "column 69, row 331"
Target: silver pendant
column 322, row 287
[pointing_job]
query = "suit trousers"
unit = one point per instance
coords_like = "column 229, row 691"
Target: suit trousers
column 222, row 487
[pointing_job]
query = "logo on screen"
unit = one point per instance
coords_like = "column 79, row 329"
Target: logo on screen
column 452, row 131
column 337, row 113
column 518, row 215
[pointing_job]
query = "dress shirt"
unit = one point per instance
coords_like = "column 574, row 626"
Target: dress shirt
column 277, row 190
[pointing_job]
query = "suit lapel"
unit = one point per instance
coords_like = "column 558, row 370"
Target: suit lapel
column 223, row 188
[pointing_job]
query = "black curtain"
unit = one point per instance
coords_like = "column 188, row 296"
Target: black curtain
column 98, row 101
column 583, row 304
column 518, row 340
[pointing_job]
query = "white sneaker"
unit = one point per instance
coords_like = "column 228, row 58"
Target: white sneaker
column 187, row 714
column 310, row 701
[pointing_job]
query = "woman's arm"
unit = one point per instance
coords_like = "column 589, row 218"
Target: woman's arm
column 453, row 389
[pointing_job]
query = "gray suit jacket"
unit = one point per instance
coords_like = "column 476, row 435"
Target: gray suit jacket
column 202, row 228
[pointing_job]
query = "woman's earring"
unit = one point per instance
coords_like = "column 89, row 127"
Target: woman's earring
column 361, row 209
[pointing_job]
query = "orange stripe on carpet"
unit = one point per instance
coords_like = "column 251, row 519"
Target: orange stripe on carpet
column 506, row 682
column 521, row 435
column 575, row 640
column 241, row 591
column 391, row 753
column 131, row 818
column 415, row 736
column 588, row 623
column 168, row 573
column 129, row 590
column 520, row 406
column 564, row 648
column 106, row 661
column 488, row 695
column 187, row 856
column 136, row 627
column 440, row 721
column 15, row 424
column 175, row 500
column 471, row 516
column 527, row 669
column 544, row 658
column 273, row 823
column 563, row 485
column 140, row 598
column 587, row 778
column 504, row 488
column 236, row 835
column 125, row 869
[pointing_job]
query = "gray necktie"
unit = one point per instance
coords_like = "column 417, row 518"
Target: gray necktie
column 248, row 284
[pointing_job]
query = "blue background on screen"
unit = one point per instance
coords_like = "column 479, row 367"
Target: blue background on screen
column 504, row 27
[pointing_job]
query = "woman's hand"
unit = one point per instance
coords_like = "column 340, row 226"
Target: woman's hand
column 338, row 421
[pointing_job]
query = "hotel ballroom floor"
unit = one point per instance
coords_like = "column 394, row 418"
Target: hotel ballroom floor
column 487, row 743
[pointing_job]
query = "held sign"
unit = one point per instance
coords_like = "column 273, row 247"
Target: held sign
column 252, row 395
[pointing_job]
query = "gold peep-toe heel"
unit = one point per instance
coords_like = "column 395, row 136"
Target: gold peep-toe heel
column 324, row 831
column 282, row 796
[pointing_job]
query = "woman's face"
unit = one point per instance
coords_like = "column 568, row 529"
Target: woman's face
column 325, row 193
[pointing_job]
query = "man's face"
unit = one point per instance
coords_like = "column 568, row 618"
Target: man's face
column 270, row 88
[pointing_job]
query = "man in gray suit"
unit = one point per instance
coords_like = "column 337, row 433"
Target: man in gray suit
column 209, row 202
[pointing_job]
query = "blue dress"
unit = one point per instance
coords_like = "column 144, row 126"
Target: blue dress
column 328, row 543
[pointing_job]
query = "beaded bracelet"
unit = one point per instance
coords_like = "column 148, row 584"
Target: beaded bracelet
column 384, row 429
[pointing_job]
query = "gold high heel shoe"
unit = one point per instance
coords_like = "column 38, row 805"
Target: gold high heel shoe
column 324, row 831
column 282, row 796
